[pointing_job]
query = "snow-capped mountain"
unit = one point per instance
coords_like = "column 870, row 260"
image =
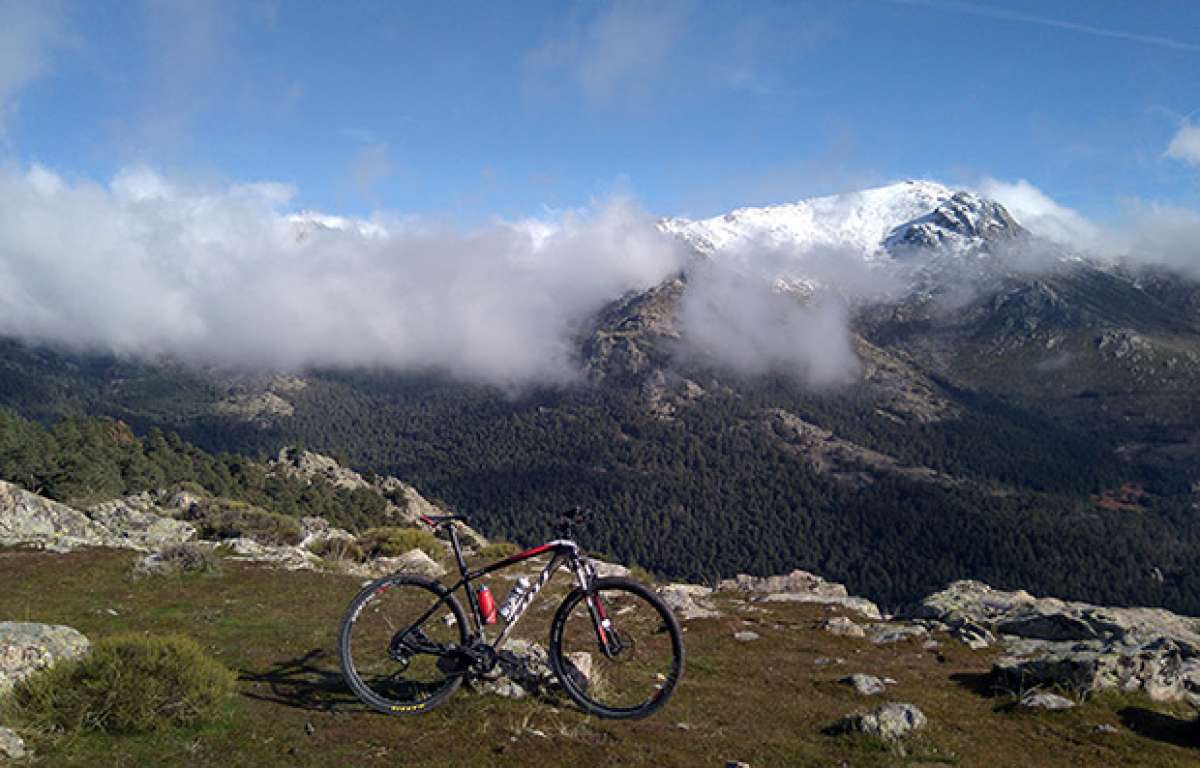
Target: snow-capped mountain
column 915, row 233
column 878, row 224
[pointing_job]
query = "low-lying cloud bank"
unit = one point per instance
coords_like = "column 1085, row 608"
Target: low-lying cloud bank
column 144, row 267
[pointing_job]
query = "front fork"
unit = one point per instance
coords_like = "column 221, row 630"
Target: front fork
column 607, row 637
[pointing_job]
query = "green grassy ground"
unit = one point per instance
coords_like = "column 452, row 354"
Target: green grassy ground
column 765, row 702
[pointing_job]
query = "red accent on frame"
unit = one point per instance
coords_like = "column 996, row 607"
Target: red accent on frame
column 426, row 519
column 600, row 608
column 531, row 552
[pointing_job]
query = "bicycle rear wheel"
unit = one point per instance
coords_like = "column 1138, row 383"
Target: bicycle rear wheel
column 400, row 674
column 635, row 668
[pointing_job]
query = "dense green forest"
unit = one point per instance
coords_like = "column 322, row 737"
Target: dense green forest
column 83, row 460
column 706, row 494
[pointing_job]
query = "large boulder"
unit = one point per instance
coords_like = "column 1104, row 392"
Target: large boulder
column 1073, row 645
column 25, row 648
column 688, row 601
column 136, row 522
column 29, row 519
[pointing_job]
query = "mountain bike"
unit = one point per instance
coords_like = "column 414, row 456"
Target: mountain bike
column 406, row 643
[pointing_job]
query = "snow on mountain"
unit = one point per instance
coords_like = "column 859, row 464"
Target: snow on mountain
column 913, row 235
column 305, row 223
column 877, row 224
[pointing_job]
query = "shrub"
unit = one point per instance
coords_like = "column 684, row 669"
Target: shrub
column 127, row 684
column 338, row 549
column 225, row 519
column 392, row 542
column 178, row 559
column 498, row 550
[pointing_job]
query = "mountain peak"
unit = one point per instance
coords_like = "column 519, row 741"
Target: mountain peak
column 871, row 222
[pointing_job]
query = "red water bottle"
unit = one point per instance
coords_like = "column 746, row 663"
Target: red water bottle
column 487, row 605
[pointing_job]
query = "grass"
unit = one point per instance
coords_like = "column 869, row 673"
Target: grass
column 127, row 684
column 393, row 542
column 765, row 702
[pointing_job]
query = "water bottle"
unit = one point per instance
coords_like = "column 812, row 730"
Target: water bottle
column 514, row 598
column 487, row 605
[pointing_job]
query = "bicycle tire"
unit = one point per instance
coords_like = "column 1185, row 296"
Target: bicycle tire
column 347, row 641
column 577, row 686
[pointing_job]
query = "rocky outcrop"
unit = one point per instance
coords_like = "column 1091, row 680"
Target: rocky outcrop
column 32, row 520
column 798, row 587
column 137, row 522
column 25, row 648
column 1083, row 647
column 403, row 502
column 523, row 669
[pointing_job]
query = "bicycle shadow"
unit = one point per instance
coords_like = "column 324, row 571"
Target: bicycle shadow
column 310, row 682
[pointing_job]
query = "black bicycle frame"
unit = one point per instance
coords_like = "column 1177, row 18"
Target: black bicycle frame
column 564, row 551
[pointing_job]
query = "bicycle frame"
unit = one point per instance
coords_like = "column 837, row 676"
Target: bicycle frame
column 565, row 551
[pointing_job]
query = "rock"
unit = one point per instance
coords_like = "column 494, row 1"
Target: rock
column 867, row 685
column 1078, row 646
column 687, row 601
column 523, row 670
column 1023, row 615
column 412, row 561
column 26, row 648
column 11, row 745
column 826, row 661
column 890, row 722
column 604, row 570
column 859, row 604
column 1158, row 669
column 289, row 558
column 797, row 587
column 29, row 519
column 1105, row 728
column 137, row 523
column 1050, row 701
column 745, row 637
column 404, row 502
column 840, row 625
column 886, row 634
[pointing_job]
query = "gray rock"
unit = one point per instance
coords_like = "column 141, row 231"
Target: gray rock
column 867, row 685
column 890, row 722
column 11, row 745
column 26, row 648
column 289, row 558
column 137, row 523
column 524, row 670
column 745, row 637
column 29, row 519
column 604, row 570
column 859, row 604
column 687, row 601
column 1050, row 701
column 886, row 634
column 840, row 625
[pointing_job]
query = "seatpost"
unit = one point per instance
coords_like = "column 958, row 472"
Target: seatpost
column 458, row 554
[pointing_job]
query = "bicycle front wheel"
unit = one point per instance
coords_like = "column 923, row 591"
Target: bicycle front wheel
column 617, row 649
column 389, row 653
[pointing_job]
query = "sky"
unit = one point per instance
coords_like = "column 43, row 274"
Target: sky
column 472, row 111
column 501, row 167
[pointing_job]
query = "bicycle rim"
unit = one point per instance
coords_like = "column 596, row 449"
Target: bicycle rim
column 637, row 678
column 413, row 679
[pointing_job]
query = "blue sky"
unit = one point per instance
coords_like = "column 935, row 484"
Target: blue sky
column 472, row 111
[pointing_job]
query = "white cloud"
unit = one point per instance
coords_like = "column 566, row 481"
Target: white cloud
column 148, row 266
column 1185, row 145
column 1041, row 215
